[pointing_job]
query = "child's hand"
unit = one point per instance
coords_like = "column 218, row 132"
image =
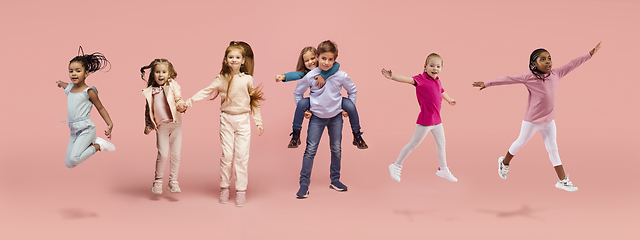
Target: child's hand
column 59, row 83
column 595, row 49
column 320, row 81
column 147, row 130
column 345, row 114
column 108, row 132
column 260, row 130
column 307, row 114
column 479, row 84
column 387, row 73
column 452, row 102
column 280, row 78
column 181, row 107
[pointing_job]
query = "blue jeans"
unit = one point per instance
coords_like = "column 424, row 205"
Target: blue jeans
column 347, row 106
column 314, row 133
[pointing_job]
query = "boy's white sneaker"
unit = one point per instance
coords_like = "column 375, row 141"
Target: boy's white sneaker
column 566, row 184
column 104, row 144
column 503, row 170
column 395, row 171
column 446, row 174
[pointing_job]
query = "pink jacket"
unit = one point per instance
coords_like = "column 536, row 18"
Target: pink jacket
column 172, row 92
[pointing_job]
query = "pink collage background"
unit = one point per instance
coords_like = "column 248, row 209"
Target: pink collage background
column 109, row 197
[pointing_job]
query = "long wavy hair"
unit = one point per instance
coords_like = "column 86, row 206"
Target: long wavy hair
column 300, row 67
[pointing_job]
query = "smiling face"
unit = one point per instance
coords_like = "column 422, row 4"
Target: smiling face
column 77, row 73
column 310, row 60
column 235, row 60
column 161, row 73
column 326, row 60
column 433, row 67
column 543, row 62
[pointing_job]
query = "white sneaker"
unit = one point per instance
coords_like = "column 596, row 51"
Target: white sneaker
column 566, row 184
column 105, row 145
column 503, row 170
column 446, row 175
column 395, row 170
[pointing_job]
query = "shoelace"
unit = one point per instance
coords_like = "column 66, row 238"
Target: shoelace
column 359, row 136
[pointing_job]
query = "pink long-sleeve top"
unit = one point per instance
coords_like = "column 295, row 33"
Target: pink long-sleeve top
column 239, row 100
column 542, row 94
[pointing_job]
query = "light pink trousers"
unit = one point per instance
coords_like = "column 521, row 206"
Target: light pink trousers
column 169, row 143
column 548, row 132
column 235, row 137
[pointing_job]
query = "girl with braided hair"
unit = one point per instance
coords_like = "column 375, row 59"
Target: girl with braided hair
column 83, row 142
column 542, row 83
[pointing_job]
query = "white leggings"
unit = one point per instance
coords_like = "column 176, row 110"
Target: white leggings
column 548, row 132
column 437, row 131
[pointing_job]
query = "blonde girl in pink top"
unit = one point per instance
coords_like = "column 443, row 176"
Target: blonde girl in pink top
column 542, row 83
column 162, row 115
column 239, row 101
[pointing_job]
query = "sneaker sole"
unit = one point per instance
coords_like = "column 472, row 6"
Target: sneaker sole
column 337, row 189
column 568, row 190
column 172, row 191
column 454, row 180
column 303, row 196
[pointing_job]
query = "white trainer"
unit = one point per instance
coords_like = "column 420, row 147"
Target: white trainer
column 446, row 175
column 503, row 170
column 566, row 184
column 105, row 145
column 395, row 170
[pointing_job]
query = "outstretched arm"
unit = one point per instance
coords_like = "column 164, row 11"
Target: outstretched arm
column 93, row 97
column 399, row 78
column 204, row 93
column 62, row 84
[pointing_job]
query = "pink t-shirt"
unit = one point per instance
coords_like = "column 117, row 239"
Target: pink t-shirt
column 429, row 93
column 542, row 95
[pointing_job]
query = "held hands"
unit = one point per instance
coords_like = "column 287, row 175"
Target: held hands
column 260, row 130
column 280, row 78
column 387, row 73
column 307, row 114
column 595, row 49
column 181, row 107
column 479, row 84
column 320, row 81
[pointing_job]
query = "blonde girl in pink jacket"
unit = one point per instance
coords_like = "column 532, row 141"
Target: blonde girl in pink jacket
column 162, row 115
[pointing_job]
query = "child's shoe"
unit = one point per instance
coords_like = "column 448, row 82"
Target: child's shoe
column 241, row 199
column 224, row 195
column 295, row 139
column 104, row 144
column 503, row 170
column 338, row 186
column 358, row 141
column 566, row 184
column 303, row 192
column 173, row 187
column 157, row 187
column 446, row 174
column 395, row 170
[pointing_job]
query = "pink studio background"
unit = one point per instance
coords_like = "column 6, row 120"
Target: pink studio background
column 109, row 195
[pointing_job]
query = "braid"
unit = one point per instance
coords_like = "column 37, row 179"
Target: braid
column 92, row 62
column 532, row 63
